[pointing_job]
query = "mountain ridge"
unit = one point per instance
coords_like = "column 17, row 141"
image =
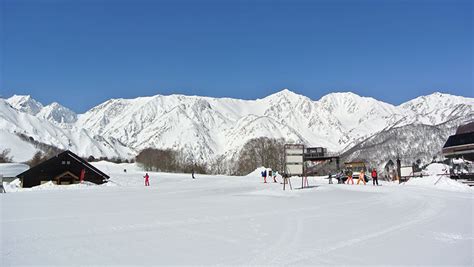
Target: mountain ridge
column 207, row 127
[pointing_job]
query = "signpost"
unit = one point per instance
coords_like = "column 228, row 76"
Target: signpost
column 294, row 163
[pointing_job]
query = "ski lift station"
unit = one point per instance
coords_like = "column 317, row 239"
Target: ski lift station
column 460, row 147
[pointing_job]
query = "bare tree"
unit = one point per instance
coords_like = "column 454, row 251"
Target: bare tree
column 168, row 160
column 261, row 151
column 4, row 157
column 37, row 158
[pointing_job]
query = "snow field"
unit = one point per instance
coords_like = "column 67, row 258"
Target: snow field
column 222, row 220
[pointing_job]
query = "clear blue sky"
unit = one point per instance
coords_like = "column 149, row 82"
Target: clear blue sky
column 81, row 53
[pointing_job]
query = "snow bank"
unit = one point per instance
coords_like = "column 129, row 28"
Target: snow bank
column 257, row 173
column 437, row 181
column 13, row 186
column 52, row 186
column 435, row 169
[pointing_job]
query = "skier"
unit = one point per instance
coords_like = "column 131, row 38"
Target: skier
column 375, row 179
column 339, row 177
column 192, row 173
column 361, row 177
column 275, row 177
column 147, row 179
column 270, row 173
column 349, row 177
column 264, row 176
column 330, row 178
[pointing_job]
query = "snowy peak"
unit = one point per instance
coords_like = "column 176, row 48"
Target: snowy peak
column 53, row 112
column 57, row 113
column 287, row 96
column 428, row 103
column 25, row 103
column 351, row 109
column 349, row 101
column 438, row 107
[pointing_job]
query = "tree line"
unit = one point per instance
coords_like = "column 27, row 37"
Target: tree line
column 168, row 160
column 257, row 152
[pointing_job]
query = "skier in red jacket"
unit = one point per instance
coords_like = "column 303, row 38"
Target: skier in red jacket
column 147, row 179
column 375, row 179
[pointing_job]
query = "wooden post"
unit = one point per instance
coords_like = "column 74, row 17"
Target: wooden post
column 399, row 169
column 287, row 180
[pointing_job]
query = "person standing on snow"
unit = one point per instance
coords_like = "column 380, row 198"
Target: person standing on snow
column 339, row 177
column 192, row 173
column 349, row 177
column 330, row 178
column 275, row 177
column 147, row 179
column 270, row 173
column 375, row 179
column 265, row 176
column 361, row 177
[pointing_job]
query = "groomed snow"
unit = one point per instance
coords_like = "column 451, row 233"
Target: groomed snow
column 222, row 220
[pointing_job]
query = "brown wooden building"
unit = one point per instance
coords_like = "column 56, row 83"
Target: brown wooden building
column 64, row 168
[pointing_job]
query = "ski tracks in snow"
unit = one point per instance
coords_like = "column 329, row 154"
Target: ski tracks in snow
column 287, row 244
column 292, row 253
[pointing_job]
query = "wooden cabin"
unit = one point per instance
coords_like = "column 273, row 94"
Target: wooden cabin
column 62, row 169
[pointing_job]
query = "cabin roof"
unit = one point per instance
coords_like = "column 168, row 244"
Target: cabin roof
column 12, row 169
column 65, row 154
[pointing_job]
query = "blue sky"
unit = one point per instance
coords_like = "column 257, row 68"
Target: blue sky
column 81, row 53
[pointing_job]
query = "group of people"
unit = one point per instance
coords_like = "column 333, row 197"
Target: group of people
column 270, row 174
column 349, row 174
column 274, row 174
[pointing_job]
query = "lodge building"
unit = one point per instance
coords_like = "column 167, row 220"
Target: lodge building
column 62, row 169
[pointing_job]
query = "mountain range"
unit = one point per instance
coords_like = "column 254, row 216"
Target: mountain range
column 206, row 128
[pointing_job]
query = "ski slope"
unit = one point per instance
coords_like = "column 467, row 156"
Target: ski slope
column 222, row 220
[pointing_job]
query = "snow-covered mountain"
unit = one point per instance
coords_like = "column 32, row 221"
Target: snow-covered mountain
column 206, row 128
column 26, row 104
column 55, row 112
column 15, row 124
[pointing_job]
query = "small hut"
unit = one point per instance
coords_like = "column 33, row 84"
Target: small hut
column 62, row 169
